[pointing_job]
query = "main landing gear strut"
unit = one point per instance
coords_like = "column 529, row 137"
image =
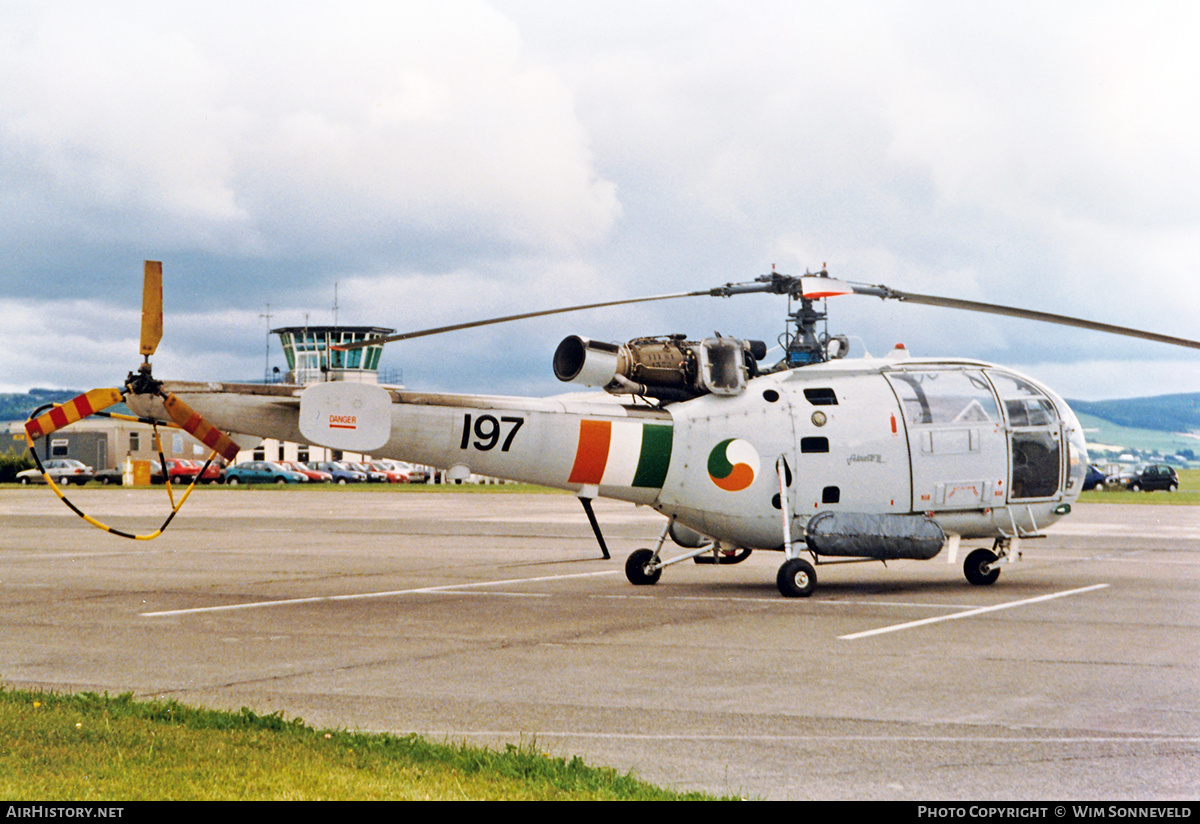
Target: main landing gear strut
column 645, row 566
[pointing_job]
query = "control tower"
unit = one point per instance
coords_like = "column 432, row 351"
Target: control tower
column 311, row 358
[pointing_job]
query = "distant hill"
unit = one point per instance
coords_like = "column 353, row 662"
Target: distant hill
column 1164, row 413
column 17, row 407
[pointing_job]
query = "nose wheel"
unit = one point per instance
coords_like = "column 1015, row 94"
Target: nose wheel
column 981, row 568
column 796, row 578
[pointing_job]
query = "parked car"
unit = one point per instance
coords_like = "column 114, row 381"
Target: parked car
column 415, row 475
column 315, row 476
column 373, row 475
column 180, row 471
column 252, row 472
column 340, row 473
column 214, row 474
column 110, row 476
column 1150, row 477
column 64, row 471
column 393, row 474
column 1094, row 478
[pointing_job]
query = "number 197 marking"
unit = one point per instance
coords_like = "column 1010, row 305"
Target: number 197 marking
column 486, row 430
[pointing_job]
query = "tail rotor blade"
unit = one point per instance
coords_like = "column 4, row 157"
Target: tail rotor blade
column 152, row 317
column 73, row 410
column 190, row 421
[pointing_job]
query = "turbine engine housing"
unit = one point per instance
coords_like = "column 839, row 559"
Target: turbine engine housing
column 667, row 367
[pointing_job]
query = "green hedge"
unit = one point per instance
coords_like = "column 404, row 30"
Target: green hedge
column 12, row 462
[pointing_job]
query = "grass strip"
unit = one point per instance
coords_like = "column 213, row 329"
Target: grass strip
column 97, row 747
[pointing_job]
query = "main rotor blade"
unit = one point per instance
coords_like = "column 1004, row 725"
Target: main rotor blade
column 542, row 313
column 1027, row 314
column 152, row 316
column 810, row 287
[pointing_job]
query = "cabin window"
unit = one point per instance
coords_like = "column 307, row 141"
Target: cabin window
column 831, row 495
column 822, row 396
column 813, row 445
column 945, row 397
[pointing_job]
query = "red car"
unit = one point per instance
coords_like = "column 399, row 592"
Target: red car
column 214, row 474
column 180, row 471
column 315, row 476
column 394, row 475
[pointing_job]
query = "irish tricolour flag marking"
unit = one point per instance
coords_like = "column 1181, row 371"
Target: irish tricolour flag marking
column 622, row 453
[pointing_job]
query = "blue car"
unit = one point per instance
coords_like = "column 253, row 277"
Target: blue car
column 262, row 472
column 341, row 473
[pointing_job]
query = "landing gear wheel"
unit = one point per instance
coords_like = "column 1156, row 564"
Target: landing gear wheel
column 637, row 568
column 975, row 565
column 796, row 578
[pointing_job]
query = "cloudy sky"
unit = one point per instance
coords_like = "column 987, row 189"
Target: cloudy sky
column 438, row 162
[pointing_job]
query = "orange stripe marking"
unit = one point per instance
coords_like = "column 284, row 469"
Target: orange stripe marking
column 591, row 456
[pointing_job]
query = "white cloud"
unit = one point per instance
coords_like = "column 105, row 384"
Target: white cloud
column 295, row 129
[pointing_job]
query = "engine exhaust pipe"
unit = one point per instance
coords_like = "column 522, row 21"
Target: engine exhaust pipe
column 585, row 361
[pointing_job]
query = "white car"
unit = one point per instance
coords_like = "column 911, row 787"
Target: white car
column 63, row 470
column 415, row 475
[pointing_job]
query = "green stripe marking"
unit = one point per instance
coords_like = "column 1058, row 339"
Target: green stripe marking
column 655, row 457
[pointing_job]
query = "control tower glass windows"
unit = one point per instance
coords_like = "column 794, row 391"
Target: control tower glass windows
column 311, row 357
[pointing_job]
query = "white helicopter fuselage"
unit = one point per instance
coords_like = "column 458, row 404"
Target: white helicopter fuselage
column 978, row 448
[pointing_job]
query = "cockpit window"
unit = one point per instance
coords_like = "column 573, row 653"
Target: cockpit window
column 1035, row 439
column 1024, row 403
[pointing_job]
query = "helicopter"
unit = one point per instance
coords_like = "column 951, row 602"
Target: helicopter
column 840, row 459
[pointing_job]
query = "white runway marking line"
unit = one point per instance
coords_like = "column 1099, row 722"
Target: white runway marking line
column 968, row 614
column 317, row 599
